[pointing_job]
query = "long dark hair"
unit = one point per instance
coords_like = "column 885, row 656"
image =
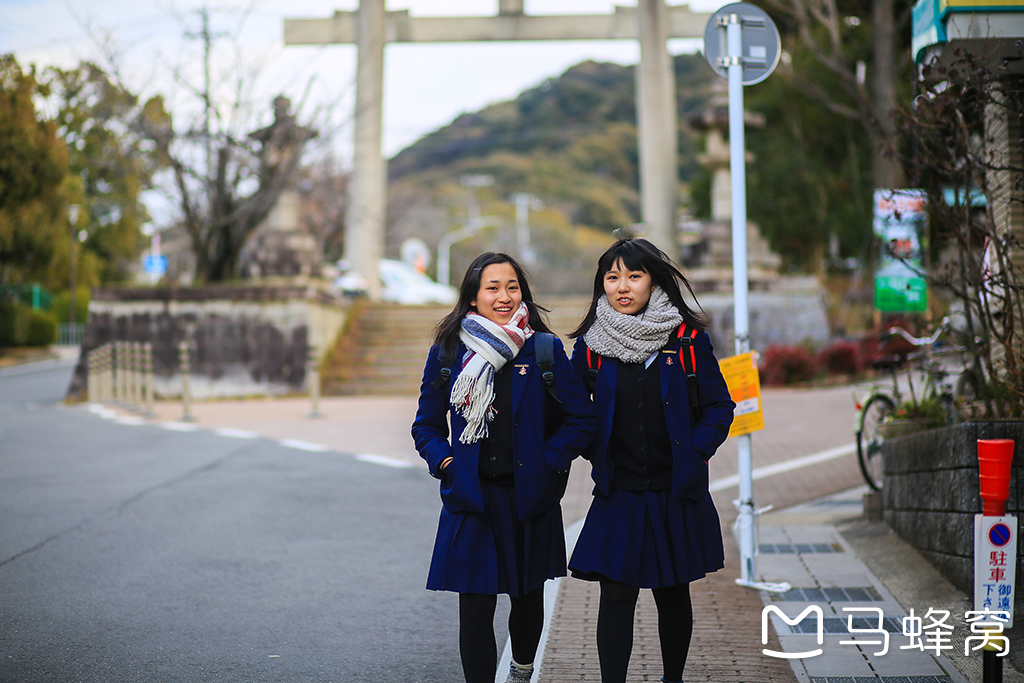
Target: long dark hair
column 446, row 333
column 636, row 253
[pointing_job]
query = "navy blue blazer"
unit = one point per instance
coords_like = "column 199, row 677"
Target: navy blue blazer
column 693, row 444
column 540, row 465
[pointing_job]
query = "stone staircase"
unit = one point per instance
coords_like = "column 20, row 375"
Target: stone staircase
column 384, row 346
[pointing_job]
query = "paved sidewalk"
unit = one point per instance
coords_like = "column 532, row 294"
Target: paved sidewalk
column 874, row 568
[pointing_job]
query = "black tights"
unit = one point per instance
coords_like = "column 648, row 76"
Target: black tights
column 615, row 628
column 476, row 632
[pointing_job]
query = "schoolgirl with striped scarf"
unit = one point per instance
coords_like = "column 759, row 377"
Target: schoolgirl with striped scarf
column 503, row 462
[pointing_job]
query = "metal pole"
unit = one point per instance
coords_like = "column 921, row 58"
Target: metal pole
column 313, row 372
column 120, row 375
column 92, row 375
column 136, row 362
column 737, row 166
column 108, row 372
column 186, row 397
column 147, row 367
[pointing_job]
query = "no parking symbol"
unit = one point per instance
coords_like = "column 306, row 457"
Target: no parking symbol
column 995, row 563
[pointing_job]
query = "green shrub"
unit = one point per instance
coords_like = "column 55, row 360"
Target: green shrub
column 62, row 304
column 23, row 326
column 8, row 324
column 40, row 328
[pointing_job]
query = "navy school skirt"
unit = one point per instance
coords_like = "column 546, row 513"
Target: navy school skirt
column 496, row 552
column 648, row 539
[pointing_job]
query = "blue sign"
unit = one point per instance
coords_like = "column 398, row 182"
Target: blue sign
column 155, row 265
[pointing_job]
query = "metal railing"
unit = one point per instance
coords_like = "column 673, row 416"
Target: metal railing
column 121, row 372
column 70, row 334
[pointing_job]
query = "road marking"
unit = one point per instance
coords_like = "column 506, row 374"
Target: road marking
column 129, row 420
column 382, row 460
column 36, row 366
column 303, row 445
column 785, row 466
column 236, row 433
column 179, row 426
column 102, row 411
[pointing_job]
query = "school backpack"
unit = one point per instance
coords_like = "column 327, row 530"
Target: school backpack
column 685, row 334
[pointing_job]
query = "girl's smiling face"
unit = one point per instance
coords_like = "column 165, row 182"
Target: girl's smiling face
column 499, row 295
column 628, row 291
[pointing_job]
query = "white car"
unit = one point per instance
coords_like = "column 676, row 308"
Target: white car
column 401, row 284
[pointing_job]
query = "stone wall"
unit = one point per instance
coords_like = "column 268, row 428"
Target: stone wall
column 930, row 497
column 245, row 340
column 792, row 313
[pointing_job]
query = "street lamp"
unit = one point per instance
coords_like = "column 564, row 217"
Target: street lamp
column 524, row 202
column 73, row 212
column 444, row 245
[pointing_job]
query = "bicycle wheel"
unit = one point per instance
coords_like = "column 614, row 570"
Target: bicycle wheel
column 966, row 393
column 869, row 440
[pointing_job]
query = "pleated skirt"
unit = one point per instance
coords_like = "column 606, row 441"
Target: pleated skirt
column 496, row 552
column 648, row 539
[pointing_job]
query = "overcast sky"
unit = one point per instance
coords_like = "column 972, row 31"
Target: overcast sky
column 426, row 85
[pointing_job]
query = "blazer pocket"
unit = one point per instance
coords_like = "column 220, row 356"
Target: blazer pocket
column 691, row 479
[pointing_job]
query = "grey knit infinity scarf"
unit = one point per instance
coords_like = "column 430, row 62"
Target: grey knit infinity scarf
column 633, row 338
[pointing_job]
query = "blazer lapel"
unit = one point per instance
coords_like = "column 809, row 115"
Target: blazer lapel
column 522, row 366
column 610, row 372
column 668, row 362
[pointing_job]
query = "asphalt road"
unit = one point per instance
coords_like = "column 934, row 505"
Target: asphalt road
column 144, row 554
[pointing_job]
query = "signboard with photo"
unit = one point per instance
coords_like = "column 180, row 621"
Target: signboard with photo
column 899, row 222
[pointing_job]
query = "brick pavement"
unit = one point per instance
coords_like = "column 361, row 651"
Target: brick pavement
column 726, row 645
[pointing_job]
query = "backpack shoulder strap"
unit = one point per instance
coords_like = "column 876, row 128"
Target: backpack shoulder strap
column 688, row 355
column 446, row 372
column 593, row 359
column 545, row 350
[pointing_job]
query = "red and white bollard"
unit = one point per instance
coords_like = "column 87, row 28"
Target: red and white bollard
column 995, row 549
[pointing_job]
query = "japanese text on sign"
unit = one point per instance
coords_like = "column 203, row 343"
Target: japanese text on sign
column 744, row 384
column 995, row 561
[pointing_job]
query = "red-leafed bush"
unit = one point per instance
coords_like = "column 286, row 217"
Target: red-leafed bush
column 839, row 358
column 782, row 364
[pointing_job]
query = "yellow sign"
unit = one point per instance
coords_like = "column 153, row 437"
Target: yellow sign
column 744, row 384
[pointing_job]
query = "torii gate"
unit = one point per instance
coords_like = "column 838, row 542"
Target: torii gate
column 372, row 26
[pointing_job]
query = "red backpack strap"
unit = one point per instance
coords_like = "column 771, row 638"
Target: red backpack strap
column 591, row 370
column 688, row 355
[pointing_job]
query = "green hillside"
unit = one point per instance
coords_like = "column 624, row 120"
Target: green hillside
column 571, row 141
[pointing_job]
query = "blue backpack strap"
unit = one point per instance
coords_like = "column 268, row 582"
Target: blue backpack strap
column 544, row 347
column 688, row 355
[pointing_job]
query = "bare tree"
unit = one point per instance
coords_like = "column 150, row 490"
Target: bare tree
column 224, row 177
column 970, row 164
column 861, row 87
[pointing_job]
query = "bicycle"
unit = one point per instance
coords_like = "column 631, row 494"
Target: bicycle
column 882, row 402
